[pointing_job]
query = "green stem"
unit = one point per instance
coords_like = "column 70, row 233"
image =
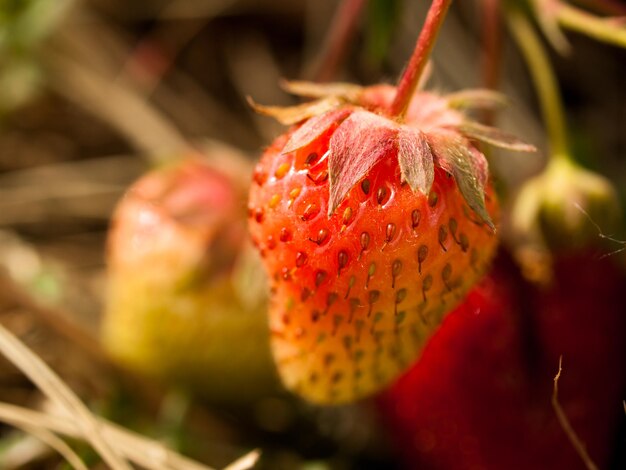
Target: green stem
column 423, row 47
column 602, row 29
column 544, row 79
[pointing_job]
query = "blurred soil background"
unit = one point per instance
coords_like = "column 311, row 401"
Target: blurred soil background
column 93, row 93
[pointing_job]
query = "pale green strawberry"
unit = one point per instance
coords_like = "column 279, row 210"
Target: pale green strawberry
column 175, row 308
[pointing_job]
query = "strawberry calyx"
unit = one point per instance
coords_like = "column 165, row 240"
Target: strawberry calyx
column 434, row 133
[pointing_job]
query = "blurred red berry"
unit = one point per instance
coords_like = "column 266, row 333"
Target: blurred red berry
column 480, row 396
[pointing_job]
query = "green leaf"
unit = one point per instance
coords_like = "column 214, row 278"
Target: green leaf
column 467, row 165
column 478, row 98
column 494, row 136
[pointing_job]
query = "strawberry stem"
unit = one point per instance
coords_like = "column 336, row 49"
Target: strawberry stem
column 424, row 45
column 546, row 85
column 338, row 37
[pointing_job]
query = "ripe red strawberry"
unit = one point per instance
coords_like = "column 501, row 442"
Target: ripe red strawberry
column 370, row 231
column 480, row 396
column 173, row 308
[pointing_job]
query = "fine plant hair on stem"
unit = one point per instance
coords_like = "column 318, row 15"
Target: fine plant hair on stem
column 567, row 426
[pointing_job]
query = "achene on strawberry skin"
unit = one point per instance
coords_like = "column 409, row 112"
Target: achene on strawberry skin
column 361, row 276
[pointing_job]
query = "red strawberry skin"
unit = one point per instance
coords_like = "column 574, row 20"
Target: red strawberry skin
column 582, row 317
column 354, row 295
column 480, row 395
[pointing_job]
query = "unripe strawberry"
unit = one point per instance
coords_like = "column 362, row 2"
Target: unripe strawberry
column 371, row 230
column 562, row 210
column 174, row 310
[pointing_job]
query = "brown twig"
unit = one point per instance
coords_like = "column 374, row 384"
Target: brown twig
column 146, row 75
column 567, row 426
column 56, row 320
column 606, row 7
column 492, row 49
column 123, row 108
column 492, row 43
column 338, row 38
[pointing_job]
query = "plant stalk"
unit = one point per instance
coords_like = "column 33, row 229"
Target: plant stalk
column 491, row 49
column 425, row 42
column 607, row 30
column 544, row 79
column 337, row 39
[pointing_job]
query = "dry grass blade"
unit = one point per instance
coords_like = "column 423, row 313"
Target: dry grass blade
column 69, row 416
column 125, row 110
column 51, row 385
column 20, row 450
column 245, row 462
column 148, row 453
column 138, row 449
column 60, row 322
column 567, row 426
column 53, row 442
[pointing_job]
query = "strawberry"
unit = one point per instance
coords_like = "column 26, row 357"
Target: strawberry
column 561, row 211
column 173, row 312
column 480, row 395
column 370, row 231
